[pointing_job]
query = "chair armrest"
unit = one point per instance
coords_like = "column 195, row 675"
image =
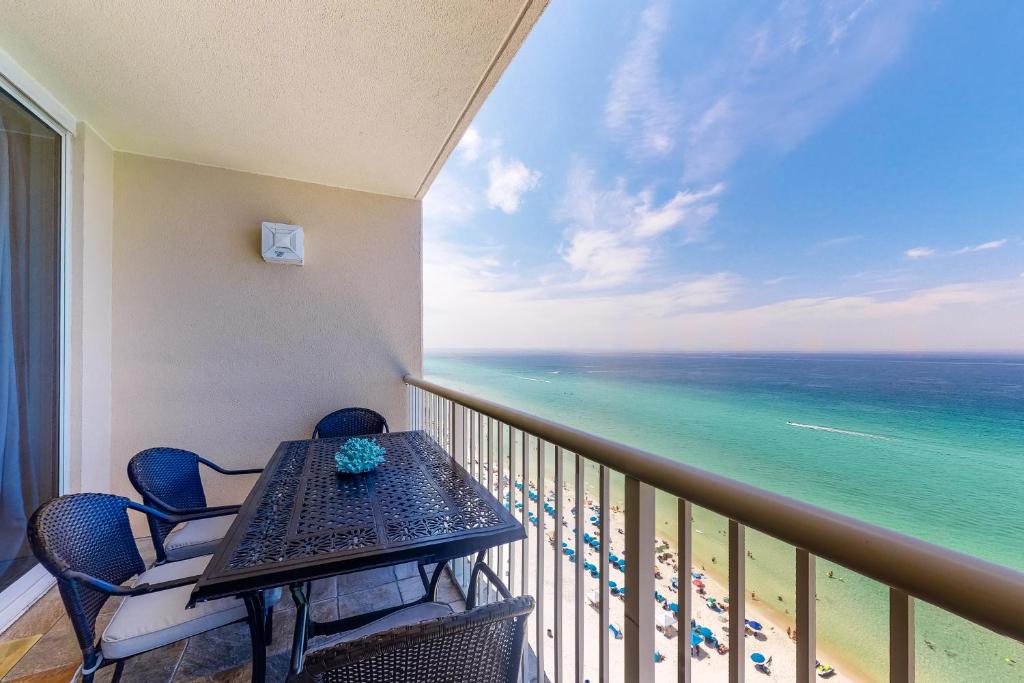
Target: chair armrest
column 479, row 567
column 217, row 468
column 112, row 589
column 179, row 515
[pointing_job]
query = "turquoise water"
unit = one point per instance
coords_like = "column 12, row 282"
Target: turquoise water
column 932, row 447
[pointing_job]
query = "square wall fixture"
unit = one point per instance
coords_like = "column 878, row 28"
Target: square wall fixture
column 283, row 244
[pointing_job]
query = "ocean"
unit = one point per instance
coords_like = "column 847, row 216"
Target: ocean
column 931, row 446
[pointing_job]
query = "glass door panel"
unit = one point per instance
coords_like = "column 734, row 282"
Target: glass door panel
column 30, row 262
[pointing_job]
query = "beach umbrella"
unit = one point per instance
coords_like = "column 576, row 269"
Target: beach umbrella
column 595, row 574
column 695, row 639
column 612, row 584
column 757, row 658
column 754, row 625
column 663, row 620
column 698, row 583
column 706, row 632
column 674, row 606
column 593, row 519
column 613, row 558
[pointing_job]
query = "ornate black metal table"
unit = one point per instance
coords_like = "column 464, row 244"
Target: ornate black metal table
column 303, row 522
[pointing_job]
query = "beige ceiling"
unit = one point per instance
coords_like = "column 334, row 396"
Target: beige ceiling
column 365, row 95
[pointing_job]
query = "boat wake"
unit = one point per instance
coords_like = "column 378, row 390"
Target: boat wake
column 833, row 430
column 532, row 379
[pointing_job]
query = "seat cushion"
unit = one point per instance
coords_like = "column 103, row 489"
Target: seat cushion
column 195, row 538
column 414, row 614
column 145, row 622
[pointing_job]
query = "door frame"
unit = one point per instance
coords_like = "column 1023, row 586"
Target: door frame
column 16, row 83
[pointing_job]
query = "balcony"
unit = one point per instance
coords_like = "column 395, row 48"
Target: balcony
column 177, row 134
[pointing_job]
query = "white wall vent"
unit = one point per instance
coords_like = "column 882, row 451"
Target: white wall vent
column 283, row 244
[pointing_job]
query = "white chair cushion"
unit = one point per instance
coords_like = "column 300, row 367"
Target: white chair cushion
column 414, row 614
column 195, row 538
column 145, row 622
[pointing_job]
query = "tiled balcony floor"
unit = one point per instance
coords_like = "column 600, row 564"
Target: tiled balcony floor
column 222, row 655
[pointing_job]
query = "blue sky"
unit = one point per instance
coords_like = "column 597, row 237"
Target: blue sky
column 814, row 176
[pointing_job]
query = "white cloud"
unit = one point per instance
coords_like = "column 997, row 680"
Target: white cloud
column 469, row 147
column 919, row 252
column 985, row 246
column 779, row 280
column 982, row 316
column 690, row 209
column 775, row 79
column 508, row 182
column 605, row 258
column 639, row 107
column 610, row 230
column 449, row 202
column 835, row 242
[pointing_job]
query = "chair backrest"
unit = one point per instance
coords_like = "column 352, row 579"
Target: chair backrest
column 88, row 533
column 166, row 478
column 350, row 422
column 484, row 645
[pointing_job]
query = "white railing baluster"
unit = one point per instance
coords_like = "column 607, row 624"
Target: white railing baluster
column 806, row 621
column 737, row 601
column 541, row 539
column 639, row 626
column 559, row 603
column 581, row 514
column 684, row 512
column 603, row 519
column 901, row 637
column 501, row 496
column 525, row 570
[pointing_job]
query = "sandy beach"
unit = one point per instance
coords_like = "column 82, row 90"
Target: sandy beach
column 772, row 641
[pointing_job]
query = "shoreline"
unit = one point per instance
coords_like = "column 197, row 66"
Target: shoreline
column 772, row 641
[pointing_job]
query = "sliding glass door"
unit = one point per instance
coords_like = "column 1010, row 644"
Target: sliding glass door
column 30, row 326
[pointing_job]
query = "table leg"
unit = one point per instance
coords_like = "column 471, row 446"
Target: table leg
column 257, row 635
column 299, row 636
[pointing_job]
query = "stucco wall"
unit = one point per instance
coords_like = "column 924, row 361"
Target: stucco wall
column 218, row 352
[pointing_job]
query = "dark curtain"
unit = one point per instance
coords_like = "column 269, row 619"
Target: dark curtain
column 29, row 326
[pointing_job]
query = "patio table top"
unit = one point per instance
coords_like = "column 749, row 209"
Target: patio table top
column 303, row 521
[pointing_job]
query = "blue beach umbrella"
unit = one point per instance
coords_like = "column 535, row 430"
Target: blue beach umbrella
column 706, row 632
column 754, row 625
column 757, row 658
column 695, row 639
column 612, row 584
column 674, row 606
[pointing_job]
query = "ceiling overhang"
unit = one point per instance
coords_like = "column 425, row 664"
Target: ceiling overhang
column 371, row 96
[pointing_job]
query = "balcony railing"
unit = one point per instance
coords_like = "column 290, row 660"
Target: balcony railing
column 498, row 444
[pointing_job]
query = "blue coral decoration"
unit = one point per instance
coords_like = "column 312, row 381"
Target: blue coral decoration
column 357, row 456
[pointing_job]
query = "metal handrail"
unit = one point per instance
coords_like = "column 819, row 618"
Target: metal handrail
column 926, row 571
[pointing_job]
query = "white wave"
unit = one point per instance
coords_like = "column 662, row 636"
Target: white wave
column 820, row 428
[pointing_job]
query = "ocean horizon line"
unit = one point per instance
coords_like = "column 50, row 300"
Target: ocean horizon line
column 777, row 354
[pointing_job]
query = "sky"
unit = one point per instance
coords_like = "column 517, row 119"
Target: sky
column 731, row 176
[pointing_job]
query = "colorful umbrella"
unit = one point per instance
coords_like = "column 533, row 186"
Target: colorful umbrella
column 754, row 625
column 757, row 658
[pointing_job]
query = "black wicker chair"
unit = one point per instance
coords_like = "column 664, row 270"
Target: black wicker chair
column 168, row 480
column 85, row 540
column 482, row 644
column 350, row 422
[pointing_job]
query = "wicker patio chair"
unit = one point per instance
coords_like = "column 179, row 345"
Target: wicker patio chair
column 425, row 643
column 168, row 480
column 350, row 422
column 85, row 541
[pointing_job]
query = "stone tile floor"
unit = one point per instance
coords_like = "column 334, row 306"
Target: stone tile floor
column 219, row 656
